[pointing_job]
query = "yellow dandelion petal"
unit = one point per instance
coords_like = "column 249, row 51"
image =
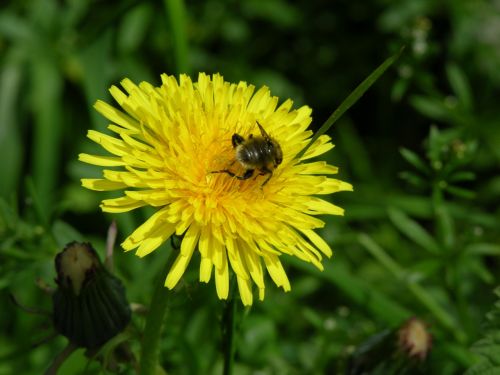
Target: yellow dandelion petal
column 187, row 148
column 276, row 271
column 155, row 239
column 113, row 114
column 254, row 266
column 318, row 242
column 102, row 161
column 187, row 247
column 121, row 204
column 222, row 277
column 99, row 184
column 110, row 144
column 206, row 266
column 245, row 289
column 144, row 231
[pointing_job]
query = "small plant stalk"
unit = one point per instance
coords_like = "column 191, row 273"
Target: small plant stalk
column 228, row 328
column 152, row 333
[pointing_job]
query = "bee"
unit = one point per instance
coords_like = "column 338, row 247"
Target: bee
column 261, row 153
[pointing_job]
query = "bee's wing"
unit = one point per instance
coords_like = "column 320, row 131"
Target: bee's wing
column 262, row 131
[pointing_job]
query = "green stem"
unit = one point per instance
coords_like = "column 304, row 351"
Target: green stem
column 176, row 14
column 417, row 290
column 152, row 333
column 228, row 325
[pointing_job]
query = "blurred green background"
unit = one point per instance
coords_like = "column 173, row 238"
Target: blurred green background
column 421, row 234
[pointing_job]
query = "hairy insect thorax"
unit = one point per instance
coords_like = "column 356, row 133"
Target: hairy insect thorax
column 256, row 152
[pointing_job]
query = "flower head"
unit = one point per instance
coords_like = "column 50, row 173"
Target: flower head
column 169, row 141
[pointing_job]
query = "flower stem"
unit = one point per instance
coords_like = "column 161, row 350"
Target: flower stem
column 176, row 14
column 152, row 333
column 228, row 325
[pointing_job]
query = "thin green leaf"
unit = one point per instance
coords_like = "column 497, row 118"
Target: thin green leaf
column 460, row 85
column 462, row 176
column 481, row 271
column 353, row 97
column 445, row 225
column 413, row 230
column 460, row 192
column 382, row 257
column 362, row 293
column 492, row 249
column 420, row 293
column 47, row 99
column 11, row 145
column 413, row 179
column 433, row 108
column 414, row 160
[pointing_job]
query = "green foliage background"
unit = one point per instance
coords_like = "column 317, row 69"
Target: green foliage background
column 421, row 235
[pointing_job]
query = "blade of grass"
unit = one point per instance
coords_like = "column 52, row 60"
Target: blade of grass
column 47, row 100
column 363, row 294
column 353, row 97
column 421, row 294
column 413, row 230
column 176, row 14
column 11, row 148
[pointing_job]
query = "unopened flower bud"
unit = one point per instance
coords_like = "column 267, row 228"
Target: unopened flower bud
column 90, row 305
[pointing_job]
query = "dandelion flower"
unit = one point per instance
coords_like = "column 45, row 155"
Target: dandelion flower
column 167, row 143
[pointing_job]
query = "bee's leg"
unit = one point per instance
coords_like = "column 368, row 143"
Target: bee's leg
column 237, row 139
column 248, row 173
column 263, row 172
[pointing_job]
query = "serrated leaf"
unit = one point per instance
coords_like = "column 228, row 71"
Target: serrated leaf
column 413, row 230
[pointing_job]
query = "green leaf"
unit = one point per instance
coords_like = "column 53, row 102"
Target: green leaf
column 420, row 293
column 488, row 347
column 445, row 225
column 460, row 192
column 46, row 100
column 492, row 249
column 460, row 85
column 413, row 179
column 413, row 230
column 414, row 160
column 477, row 267
column 65, row 233
column 366, row 295
column 433, row 108
column 462, row 176
column 11, row 145
column 353, row 97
